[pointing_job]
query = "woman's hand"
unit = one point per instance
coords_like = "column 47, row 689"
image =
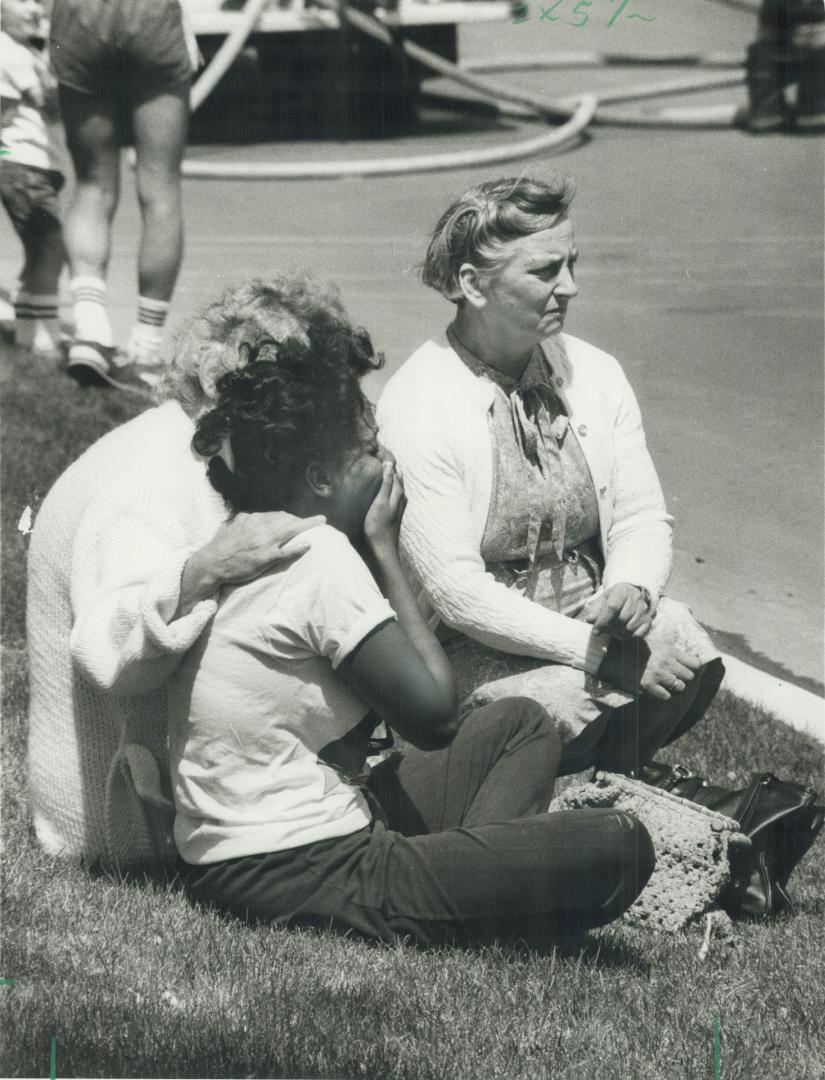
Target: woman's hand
column 383, row 520
column 667, row 672
column 622, row 609
column 243, row 548
column 659, row 672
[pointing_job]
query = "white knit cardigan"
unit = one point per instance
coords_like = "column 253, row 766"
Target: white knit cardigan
column 105, row 561
column 433, row 416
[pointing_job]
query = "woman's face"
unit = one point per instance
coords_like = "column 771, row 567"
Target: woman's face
column 356, row 482
column 530, row 290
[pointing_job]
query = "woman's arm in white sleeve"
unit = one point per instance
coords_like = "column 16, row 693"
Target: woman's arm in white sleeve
column 639, row 542
column 142, row 597
column 125, row 591
column 441, row 546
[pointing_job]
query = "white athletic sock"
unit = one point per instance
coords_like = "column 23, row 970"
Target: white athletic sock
column 91, row 323
column 36, row 323
column 147, row 333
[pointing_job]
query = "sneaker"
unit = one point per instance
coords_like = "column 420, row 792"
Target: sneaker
column 149, row 374
column 92, row 364
column 45, row 343
column 148, row 367
column 145, row 360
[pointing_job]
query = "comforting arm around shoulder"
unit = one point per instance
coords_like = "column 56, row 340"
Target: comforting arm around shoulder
column 387, row 673
column 125, row 588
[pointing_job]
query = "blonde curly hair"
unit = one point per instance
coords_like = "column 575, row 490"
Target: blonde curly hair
column 272, row 309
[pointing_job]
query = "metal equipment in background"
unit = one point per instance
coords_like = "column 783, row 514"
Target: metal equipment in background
column 305, row 71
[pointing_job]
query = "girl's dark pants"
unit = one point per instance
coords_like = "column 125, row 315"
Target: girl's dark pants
column 460, row 851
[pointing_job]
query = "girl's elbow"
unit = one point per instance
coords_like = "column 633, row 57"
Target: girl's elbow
column 435, row 727
column 442, row 734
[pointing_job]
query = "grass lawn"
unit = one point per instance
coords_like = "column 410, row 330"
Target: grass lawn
column 131, row 981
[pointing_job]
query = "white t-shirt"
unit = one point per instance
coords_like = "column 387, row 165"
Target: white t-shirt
column 29, row 131
column 257, row 699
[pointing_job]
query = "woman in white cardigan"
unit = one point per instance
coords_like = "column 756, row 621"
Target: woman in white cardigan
column 536, row 523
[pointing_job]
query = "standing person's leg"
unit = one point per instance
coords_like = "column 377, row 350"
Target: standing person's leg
column 37, row 302
column 91, row 137
column 808, row 41
column 30, row 197
column 45, row 255
column 160, row 126
column 501, row 765
column 810, row 115
column 765, row 69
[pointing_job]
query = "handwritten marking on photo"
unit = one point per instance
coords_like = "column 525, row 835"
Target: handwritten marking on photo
column 555, row 11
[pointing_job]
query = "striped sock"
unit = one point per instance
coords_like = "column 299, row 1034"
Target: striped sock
column 36, row 323
column 152, row 312
column 91, row 323
column 147, row 333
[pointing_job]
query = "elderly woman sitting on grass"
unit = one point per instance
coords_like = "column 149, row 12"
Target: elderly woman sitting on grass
column 273, row 711
column 129, row 550
column 536, row 524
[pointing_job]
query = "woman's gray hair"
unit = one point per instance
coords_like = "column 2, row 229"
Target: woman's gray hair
column 273, row 309
column 478, row 224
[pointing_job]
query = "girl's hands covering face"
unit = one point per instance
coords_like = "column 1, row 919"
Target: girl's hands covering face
column 383, row 520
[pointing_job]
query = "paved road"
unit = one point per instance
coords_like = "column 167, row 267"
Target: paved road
column 701, row 270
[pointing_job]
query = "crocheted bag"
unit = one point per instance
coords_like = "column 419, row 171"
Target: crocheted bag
column 691, row 844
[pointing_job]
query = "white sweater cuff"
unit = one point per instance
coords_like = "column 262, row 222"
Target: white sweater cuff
column 594, row 653
column 167, row 634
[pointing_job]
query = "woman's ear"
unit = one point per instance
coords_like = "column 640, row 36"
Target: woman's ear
column 319, row 480
column 470, row 284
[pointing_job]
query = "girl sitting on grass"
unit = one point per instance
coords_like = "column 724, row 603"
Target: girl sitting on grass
column 273, row 710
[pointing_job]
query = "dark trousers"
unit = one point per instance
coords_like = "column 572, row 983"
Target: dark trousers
column 790, row 49
column 460, row 850
column 626, row 739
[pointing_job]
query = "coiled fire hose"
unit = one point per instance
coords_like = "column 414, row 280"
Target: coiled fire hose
column 573, row 114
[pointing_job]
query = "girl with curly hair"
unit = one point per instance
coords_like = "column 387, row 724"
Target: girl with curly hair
column 273, row 712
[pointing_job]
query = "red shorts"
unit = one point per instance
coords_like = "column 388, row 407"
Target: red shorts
column 125, row 50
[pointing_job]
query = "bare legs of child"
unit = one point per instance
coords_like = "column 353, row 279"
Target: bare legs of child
column 30, row 197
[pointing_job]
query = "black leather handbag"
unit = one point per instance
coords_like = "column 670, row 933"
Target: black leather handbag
column 781, row 818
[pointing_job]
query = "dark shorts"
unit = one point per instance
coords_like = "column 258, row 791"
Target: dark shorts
column 108, row 48
column 30, row 198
